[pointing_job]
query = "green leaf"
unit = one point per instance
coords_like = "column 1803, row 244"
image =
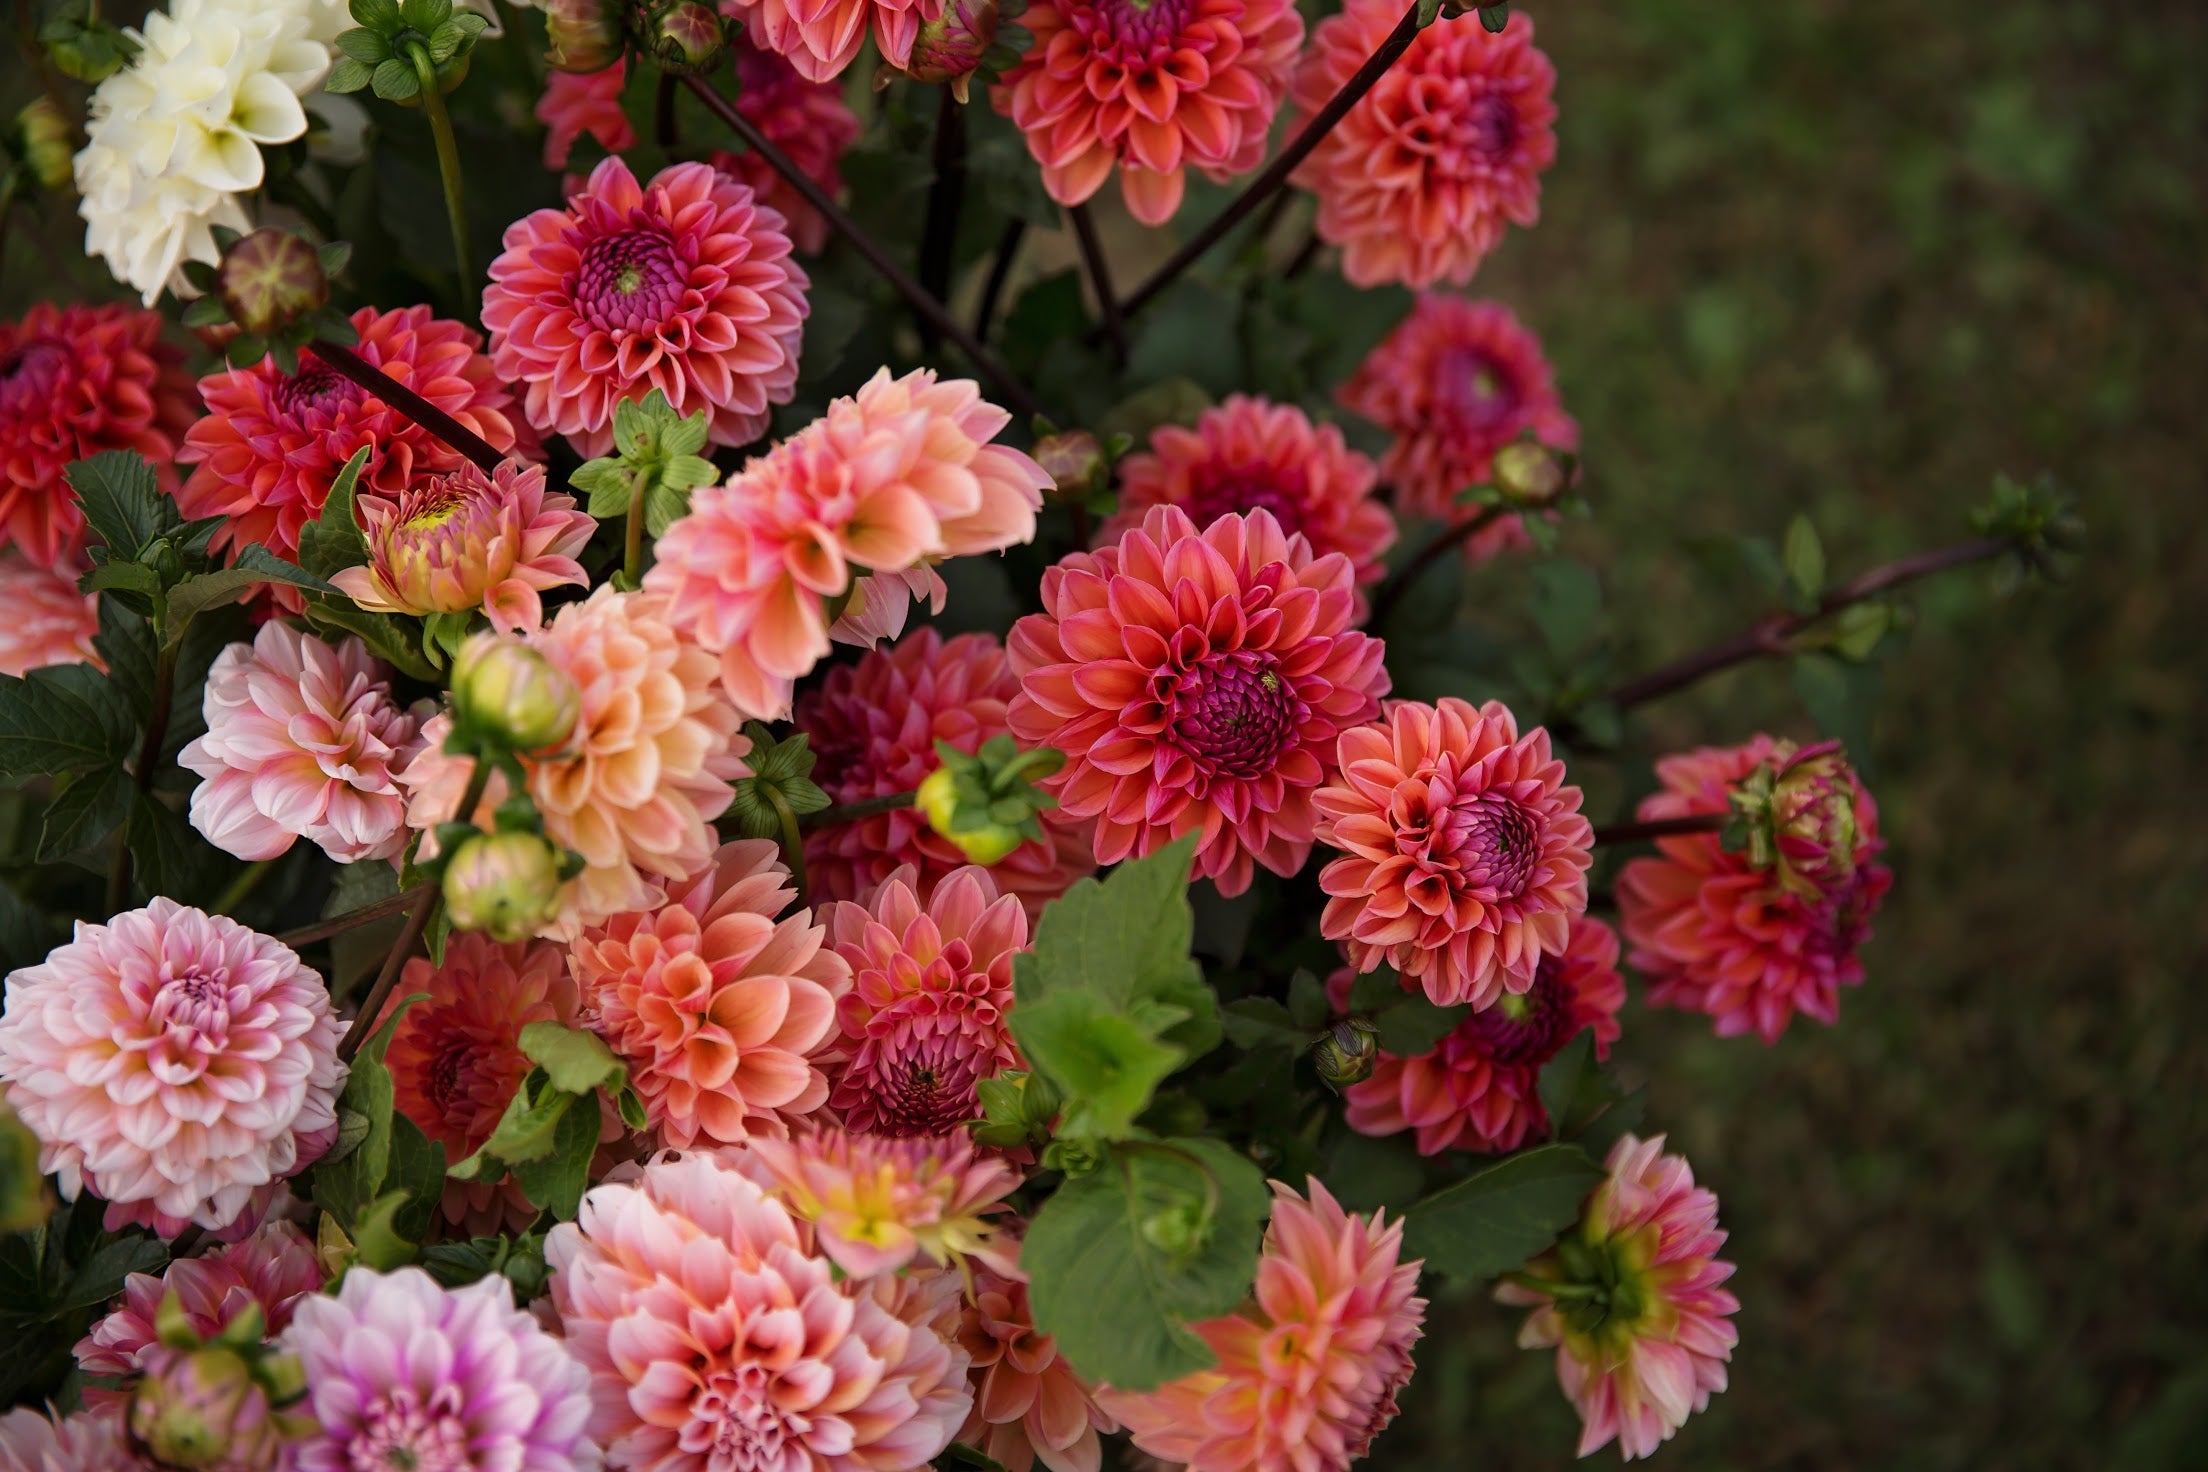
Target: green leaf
column 62, row 718
column 556, row 1181
column 1498, row 1219
column 574, row 1061
column 635, row 426
column 1415, row 1026
column 1566, row 1078
column 362, row 44
column 1365, row 1174
column 1106, row 1063
column 333, row 540
column 1126, row 938
column 395, row 81
column 128, row 577
column 87, row 811
column 346, row 1188
column 1255, row 1022
column 683, row 438
column 1192, row 332
column 1566, row 605
column 255, row 565
column 525, row 1132
column 102, row 1274
column 1804, row 556
column 120, row 499
column 608, row 485
column 377, row 1238
column 386, row 636
column 1842, row 699
column 125, row 641
column 168, row 855
column 377, row 15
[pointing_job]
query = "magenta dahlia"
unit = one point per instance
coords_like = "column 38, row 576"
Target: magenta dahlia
column 272, row 1270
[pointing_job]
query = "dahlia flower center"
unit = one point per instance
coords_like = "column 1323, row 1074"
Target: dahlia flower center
column 630, row 281
column 744, row 1427
column 427, row 510
column 400, row 1434
column 193, row 1002
column 1473, row 388
column 1489, row 129
column 1233, row 492
column 1134, row 33
column 927, row 1084
column 1495, row 843
column 29, row 375
column 1235, row 713
column 1525, row 1027
column 313, row 389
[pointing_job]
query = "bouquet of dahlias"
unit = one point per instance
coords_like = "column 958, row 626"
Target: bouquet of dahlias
column 694, row 798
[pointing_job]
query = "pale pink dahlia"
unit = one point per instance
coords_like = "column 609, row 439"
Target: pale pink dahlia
column 171, row 1062
column 402, row 1373
column 1418, row 181
column 74, row 381
column 721, row 1010
column 1155, row 86
column 272, row 443
column 1454, row 382
column 875, row 1203
column 718, row 1338
column 94, row 1440
column 1029, row 1405
column 1714, row 933
column 873, row 727
column 928, row 1014
column 684, row 285
column 1309, row 1370
column 576, row 103
column 1248, row 454
column 637, row 787
column 1464, row 854
column 1197, row 683
column 1479, row 1088
column 1644, row 1332
column 48, row 621
column 303, row 741
column 807, row 120
column 820, row 37
column 464, row 540
column 271, row 1270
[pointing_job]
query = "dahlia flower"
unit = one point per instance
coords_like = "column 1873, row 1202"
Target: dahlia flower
column 927, row 1017
column 176, row 136
column 271, row 1271
column 716, row 1337
column 1643, row 1337
column 93, row 1440
column 1479, row 1088
column 172, row 1062
column 807, row 120
column 683, row 284
column 1249, row 453
column 74, row 381
column 49, row 621
column 303, row 740
column 1197, row 683
column 272, row 443
column 876, row 1203
column 820, row 37
column 721, row 1010
column 1308, row 1371
column 1157, row 88
column 1417, row 182
column 1464, row 854
column 402, row 1373
column 873, row 726
column 465, row 540
column 1714, row 933
column 575, row 103
column 1455, row 382
column 455, row 1056
column 1028, row 1402
column 639, row 783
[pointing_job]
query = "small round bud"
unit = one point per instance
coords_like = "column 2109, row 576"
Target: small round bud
column 504, row 690
column 685, row 36
column 1529, row 473
column 1179, row 1230
column 1800, row 812
column 585, row 35
column 204, row 1408
column 950, row 47
column 270, row 279
column 42, row 136
column 937, row 800
column 506, row 885
column 1347, row 1053
column 1074, row 461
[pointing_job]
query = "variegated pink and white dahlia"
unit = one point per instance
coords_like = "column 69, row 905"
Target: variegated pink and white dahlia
column 269, row 1271
column 876, row 1204
column 94, row 1440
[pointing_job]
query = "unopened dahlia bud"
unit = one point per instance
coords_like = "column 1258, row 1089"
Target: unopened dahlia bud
column 937, row 800
column 950, row 47
column 1073, row 459
column 1799, row 809
column 506, row 691
column 205, row 1408
column 1529, row 473
column 42, row 137
column 1347, row 1053
column 506, row 885
column 270, row 279
column 585, row 35
column 25, row 1202
column 987, row 802
column 685, row 36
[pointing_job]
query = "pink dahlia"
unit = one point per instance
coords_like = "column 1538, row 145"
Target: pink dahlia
column 1454, row 382
column 172, row 1062
column 1418, row 181
column 684, row 285
column 456, row 1059
column 74, row 381
column 1464, row 854
column 271, row 1271
column 873, row 727
column 1197, row 682
column 720, row 1009
column 638, row 785
column 717, row 1337
column 1631, row 1301
column 1250, row 453
column 807, row 120
column 1029, row 1404
column 272, row 443
column 1479, row 1088
column 464, row 540
column 927, row 1017
column 1715, row 933
column 402, row 1373
column 1309, row 1370
column 303, row 741
column 875, row 1204
column 48, row 620
column 93, row 1440
column 1157, row 88
column 820, row 37
column 575, row 103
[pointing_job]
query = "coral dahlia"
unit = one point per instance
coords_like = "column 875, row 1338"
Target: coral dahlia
column 576, row 103
column 683, row 284
column 717, row 1337
column 1197, row 682
column 820, row 37
column 272, row 443
column 1029, row 1404
column 1309, row 1370
column 1715, row 933
column 271, row 1271
column 807, row 120
column 1643, row 1337
column 74, row 381
column 48, row 622
column 720, row 1009
column 1464, row 854
column 172, row 1062
column 875, row 1204
column 1417, row 182
column 1155, row 86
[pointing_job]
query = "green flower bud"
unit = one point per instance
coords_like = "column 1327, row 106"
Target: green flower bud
column 507, row 692
column 937, row 800
column 506, row 885
column 685, row 36
column 1798, row 814
column 1347, row 1053
column 1179, row 1230
column 44, row 138
column 950, row 47
column 585, row 35
column 1529, row 473
column 205, row 1408
column 270, row 279
column 1074, row 461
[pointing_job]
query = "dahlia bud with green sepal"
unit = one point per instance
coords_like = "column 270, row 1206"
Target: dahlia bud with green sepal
column 584, row 35
column 1529, row 473
column 504, row 691
column 1347, row 1054
column 684, row 36
column 1796, row 815
column 204, row 1409
column 1074, row 461
column 270, row 279
column 950, row 48
column 44, row 141
column 987, row 804
column 781, row 777
column 506, row 885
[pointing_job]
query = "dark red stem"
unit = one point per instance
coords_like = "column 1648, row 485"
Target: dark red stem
column 345, row 361
column 1392, row 591
column 1100, row 279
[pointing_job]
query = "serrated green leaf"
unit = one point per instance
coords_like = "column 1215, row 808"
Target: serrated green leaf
column 120, row 499
column 1803, row 553
column 1417, row 1026
column 1255, row 1022
column 388, row 638
column 91, row 807
column 1566, row 1078
column 255, row 565
column 61, row 718
column 333, row 540
column 1106, row 1062
column 347, row 1187
column 525, row 1132
column 102, row 1274
column 168, row 855
column 1374, row 992
column 555, row 1182
column 128, row 577
column 1498, row 1219
column 574, row 1061
column 208, row 311
column 125, row 642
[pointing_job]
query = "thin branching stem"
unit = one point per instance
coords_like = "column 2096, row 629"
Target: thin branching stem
column 349, row 364
column 1391, row 592
column 369, row 914
column 946, row 199
column 1661, row 828
column 1100, row 280
column 1000, row 272
column 865, row 807
column 448, row 165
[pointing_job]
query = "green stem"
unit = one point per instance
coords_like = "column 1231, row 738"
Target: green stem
column 851, row 812
column 149, row 757
column 242, row 887
column 632, row 537
column 793, row 844
column 382, row 909
column 1391, row 592
column 448, row 163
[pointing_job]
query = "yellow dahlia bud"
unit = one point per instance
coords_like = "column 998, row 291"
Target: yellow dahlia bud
column 937, row 800
column 1529, row 473
column 506, row 691
column 506, row 885
column 42, row 135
